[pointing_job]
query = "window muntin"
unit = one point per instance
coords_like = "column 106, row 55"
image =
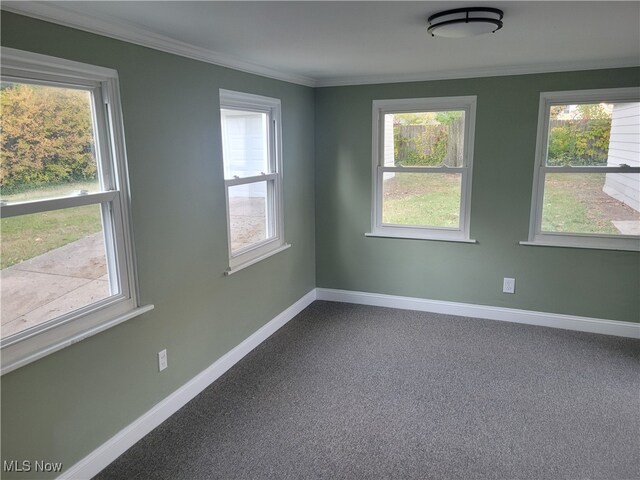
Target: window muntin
column 422, row 167
column 587, row 182
column 250, row 126
column 67, row 256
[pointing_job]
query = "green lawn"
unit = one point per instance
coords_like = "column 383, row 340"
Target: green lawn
column 422, row 199
column 27, row 236
column 50, row 191
column 575, row 203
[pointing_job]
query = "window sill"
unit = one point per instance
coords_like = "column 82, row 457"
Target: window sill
column 626, row 247
column 242, row 266
column 30, row 349
column 414, row 237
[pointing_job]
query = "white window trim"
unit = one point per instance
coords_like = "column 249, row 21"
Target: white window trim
column 259, row 251
column 36, row 342
column 382, row 107
column 595, row 241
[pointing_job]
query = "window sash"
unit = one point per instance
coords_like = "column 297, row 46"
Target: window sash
column 580, row 240
column 541, row 234
column 274, row 211
column 466, row 104
column 272, row 233
column 38, row 341
column 272, row 166
column 422, row 230
column 38, row 206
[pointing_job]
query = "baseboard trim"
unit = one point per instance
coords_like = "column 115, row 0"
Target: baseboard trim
column 101, row 457
column 567, row 322
column 96, row 461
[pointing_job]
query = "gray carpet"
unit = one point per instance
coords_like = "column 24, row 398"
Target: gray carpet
column 355, row 392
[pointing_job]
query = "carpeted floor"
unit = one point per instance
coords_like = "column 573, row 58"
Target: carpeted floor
column 355, row 392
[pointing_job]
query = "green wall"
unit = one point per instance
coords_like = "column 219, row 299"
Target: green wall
column 64, row 406
column 592, row 283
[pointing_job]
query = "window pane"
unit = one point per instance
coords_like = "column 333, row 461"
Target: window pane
column 52, row 263
column 48, row 147
column 594, row 203
column 245, row 143
column 421, row 199
column 424, row 139
column 594, row 134
column 248, row 214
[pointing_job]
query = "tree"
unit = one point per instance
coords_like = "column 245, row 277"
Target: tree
column 581, row 140
column 47, row 136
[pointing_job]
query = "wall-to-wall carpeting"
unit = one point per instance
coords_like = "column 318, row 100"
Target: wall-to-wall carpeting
column 349, row 391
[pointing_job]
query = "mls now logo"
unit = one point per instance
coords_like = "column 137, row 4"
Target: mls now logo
column 28, row 466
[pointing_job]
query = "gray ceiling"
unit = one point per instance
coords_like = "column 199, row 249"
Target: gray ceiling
column 332, row 43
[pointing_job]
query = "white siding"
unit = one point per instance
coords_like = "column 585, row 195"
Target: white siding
column 389, row 146
column 624, row 148
column 245, row 150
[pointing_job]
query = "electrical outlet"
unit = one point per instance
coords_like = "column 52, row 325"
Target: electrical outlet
column 162, row 360
column 508, row 285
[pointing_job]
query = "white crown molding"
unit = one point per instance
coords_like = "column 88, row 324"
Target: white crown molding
column 542, row 319
column 134, row 34
column 139, row 36
column 476, row 73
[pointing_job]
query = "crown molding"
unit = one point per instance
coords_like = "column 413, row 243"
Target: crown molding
column 476, row 73
column 134, row 34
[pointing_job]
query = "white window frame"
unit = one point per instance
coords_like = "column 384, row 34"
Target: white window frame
column 577, row 240
column 408, row 105
column 274, row 242
column 38, row 341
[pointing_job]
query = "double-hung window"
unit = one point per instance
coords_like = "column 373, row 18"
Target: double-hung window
column 586, row 189
column 252, row 158
column 422, row 158
column 66, row 252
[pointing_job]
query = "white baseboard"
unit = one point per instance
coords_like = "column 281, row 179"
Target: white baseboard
column 96, row 461
column 556, row 320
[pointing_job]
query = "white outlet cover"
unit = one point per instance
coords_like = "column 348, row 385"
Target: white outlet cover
column 162, row 360
column 509, row 285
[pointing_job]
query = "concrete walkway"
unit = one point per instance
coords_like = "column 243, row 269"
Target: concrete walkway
column 53, row 284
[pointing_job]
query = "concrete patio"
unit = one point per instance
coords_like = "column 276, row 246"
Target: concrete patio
column 53, row 284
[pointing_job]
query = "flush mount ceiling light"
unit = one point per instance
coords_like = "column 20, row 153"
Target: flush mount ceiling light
column 465, row 22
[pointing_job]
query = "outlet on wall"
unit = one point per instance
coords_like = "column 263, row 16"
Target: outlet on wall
column 162, row 360
column 508, row 285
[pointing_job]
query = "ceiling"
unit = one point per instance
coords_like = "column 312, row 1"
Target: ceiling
column 338, row 43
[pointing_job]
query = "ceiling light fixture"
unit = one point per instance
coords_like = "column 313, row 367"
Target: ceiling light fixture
column 465, row 22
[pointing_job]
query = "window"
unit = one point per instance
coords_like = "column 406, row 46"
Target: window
column 252, row 158
column 422, row 157
column 66, row 252
column 587, row 174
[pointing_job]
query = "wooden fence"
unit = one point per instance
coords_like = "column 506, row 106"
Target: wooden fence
column 426, row 141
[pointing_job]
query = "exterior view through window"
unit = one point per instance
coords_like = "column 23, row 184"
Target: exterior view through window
column 423, row 139
column 423, row 167
column 246, row 154
column 66, row 255
column 54, row 261
column 589, row 177
column 252, row 171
